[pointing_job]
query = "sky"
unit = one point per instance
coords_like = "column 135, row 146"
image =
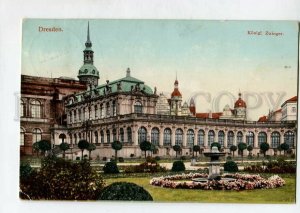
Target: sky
column 213, row 60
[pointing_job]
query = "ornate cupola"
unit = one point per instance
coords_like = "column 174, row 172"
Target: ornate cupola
column 88, row 73
column 192, row 107
column 240, row 108
column 176, row 99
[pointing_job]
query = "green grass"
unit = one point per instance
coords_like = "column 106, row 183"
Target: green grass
column 285, row 194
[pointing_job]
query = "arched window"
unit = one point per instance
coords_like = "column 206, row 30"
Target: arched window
column 96, row 137
column 250, row 139
column 122, row 135
column 22, row 137
column 75, row 138
column 96, row 111
column 62, row 138
column 114, row 108
column 114, row 134
column 221, row 136
column 107, row 136
column 262, row 138
column 142, row 134
column 35, row 109
column 155, row 136
column 289, row 138
column 179, row 137
column 239, row 137
column 107, row 109
column 167, row 137
column 275, row 139
column 101, row 110
column 211, row 137
column 138, row 107
column 22, row 108
column 36, row 135
column 129, row 135
column 102, row 136
column 201, row 135
column 190, row 138
column 230, row 138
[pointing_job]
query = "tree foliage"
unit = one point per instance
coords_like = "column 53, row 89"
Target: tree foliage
column 177, row 149
column 216, row 144
column 59, row 179
column 285, row 147
column 83, row 144
column 242, row 146
column 264, row 147
column 233, row 148
column 145, row 146
column 116, row 145
column 42, row 146
column 196, row 148
column 91, row 148
column 125, row 191
column 64, row 147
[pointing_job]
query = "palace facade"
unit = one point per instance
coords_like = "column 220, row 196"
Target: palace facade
column 130, row 111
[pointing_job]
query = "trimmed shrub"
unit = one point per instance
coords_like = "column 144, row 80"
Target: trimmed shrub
column 231, row 166
column 77, row 158
column 183, row 157
column 125, row 191
column 145, row 167
column 157, row 158
column 228, row 158
column 178, row 166
column 121, row 159
column 131, row 155
column 110, row 168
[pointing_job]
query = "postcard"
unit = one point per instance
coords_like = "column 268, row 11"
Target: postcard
column 159, row 110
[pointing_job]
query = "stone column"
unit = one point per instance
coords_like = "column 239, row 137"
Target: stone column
column 173, row 137
column 205, row 138
column 234, row 138
column 244, row 137
column 161, row 137
column 225, row 139
column 196, row 137
column 135, row 136
column 184, row 138
column 256, row 140
column 216, row 136
column 282, row 137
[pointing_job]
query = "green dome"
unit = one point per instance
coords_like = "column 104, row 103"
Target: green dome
column 88, row 70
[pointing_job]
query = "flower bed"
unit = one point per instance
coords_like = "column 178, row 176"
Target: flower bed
column 241, row 182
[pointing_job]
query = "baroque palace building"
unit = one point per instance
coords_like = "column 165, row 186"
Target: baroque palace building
column 130, row 111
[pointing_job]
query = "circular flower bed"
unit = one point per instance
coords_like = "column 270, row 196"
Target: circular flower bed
column 241, row 182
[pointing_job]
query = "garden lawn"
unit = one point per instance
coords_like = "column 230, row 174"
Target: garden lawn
column 285, row 194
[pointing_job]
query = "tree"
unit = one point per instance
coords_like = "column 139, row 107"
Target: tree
column 216, row 144
column 242, row 146
column 91, row 148
column 116, row 145
column 177, row 149
column 250, row 148
column 264, row 147
column 35, row 147
column 43, row 146
column 196, row 148
column 233, row 148
column 83, row 144
column 64, row 147
column 153, row 149
column 145, row 146
column 284, row 147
